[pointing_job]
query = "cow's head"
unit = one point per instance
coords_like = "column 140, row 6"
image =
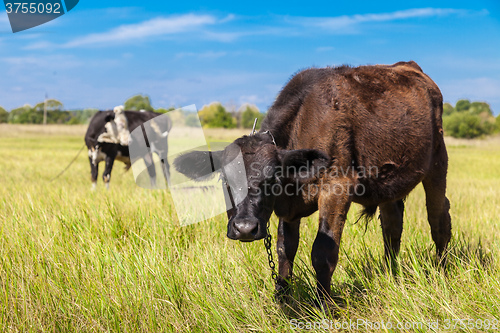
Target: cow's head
column 266, row 167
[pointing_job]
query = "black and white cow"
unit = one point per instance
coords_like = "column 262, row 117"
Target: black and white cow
column 107, row 140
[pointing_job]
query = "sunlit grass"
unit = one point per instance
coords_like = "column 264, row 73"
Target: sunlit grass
column 76, row 260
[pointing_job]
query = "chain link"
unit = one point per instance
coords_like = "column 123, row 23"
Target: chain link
column 267, row 244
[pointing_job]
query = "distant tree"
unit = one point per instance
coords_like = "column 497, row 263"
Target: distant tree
column 215, row 115
column 52, row 105
column 87, row 114
column 59, row 117
column 480, row 108
column 468, row 120
column 462, row 105
column 138, row 102
column 207, row 113
column 163, row 110
column 177, row 117
column 192, row 120
column 76, row 116
column 19, row 115
column 31, row 117
column 73, row 121
column 4, row 115
column 248, row 117
column 223, row 119
column 467, row 125
column 497, row 123
column 448, row 109
column 54, row 109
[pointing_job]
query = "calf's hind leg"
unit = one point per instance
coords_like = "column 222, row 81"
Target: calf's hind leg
column 438, row 205
column 391, row 217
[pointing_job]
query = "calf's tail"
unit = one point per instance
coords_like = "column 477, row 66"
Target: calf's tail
column 367, row 214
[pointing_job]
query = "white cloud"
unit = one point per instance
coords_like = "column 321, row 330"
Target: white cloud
column 224, row 37
column 52, row 62
column 159, row 26
column 246, row 100
column 40, row 45
column 228, row 18
column 346, row 21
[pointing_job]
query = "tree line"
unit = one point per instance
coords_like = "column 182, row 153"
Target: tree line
column 464, row 120
column 28, row 114
column 212, row 115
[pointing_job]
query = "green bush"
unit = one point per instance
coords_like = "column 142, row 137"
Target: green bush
column 463, row 125
column 448, row 109
column 462, row 105
column 222, row 119
column 16, row 116
column 215, row 115
column 248, row 117
column 137, row 103
column 4, row 115
column 479, row 108
column 469, row 120
column 163, row 110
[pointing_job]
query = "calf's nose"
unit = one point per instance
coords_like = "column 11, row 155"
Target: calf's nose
column 246, row 230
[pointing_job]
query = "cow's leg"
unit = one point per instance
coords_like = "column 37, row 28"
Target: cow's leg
column 165, row 168
column 287, row 244
column 106, row 175
column 94, row 170
column 164, row 159
column 334, row 203
column 391, row 216
column 148, row 160
column 438, row 205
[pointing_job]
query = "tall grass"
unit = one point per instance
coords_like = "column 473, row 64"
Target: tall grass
column 76, row 260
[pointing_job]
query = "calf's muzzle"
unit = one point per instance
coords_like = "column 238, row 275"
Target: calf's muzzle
column 245, row 230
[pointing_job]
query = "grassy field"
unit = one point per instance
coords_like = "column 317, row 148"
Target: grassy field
column 72, row 259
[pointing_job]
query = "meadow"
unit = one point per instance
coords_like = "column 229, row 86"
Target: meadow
column 76, row 260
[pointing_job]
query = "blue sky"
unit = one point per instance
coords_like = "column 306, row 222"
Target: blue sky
column 180, row 53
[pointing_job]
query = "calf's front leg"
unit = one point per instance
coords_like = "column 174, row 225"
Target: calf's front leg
column 287, row 244
column 334, row 203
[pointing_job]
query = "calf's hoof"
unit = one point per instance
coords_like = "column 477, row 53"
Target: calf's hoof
column 282, row 293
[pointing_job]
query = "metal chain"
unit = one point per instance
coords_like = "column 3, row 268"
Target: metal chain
column 267, row 244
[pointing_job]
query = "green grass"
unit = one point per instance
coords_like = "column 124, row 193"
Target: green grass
column 75, row 260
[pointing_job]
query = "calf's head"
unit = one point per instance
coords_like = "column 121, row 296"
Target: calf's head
column 265, row 168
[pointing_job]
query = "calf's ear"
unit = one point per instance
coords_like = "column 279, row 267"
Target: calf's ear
column 199, row 165
column 304, row 163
